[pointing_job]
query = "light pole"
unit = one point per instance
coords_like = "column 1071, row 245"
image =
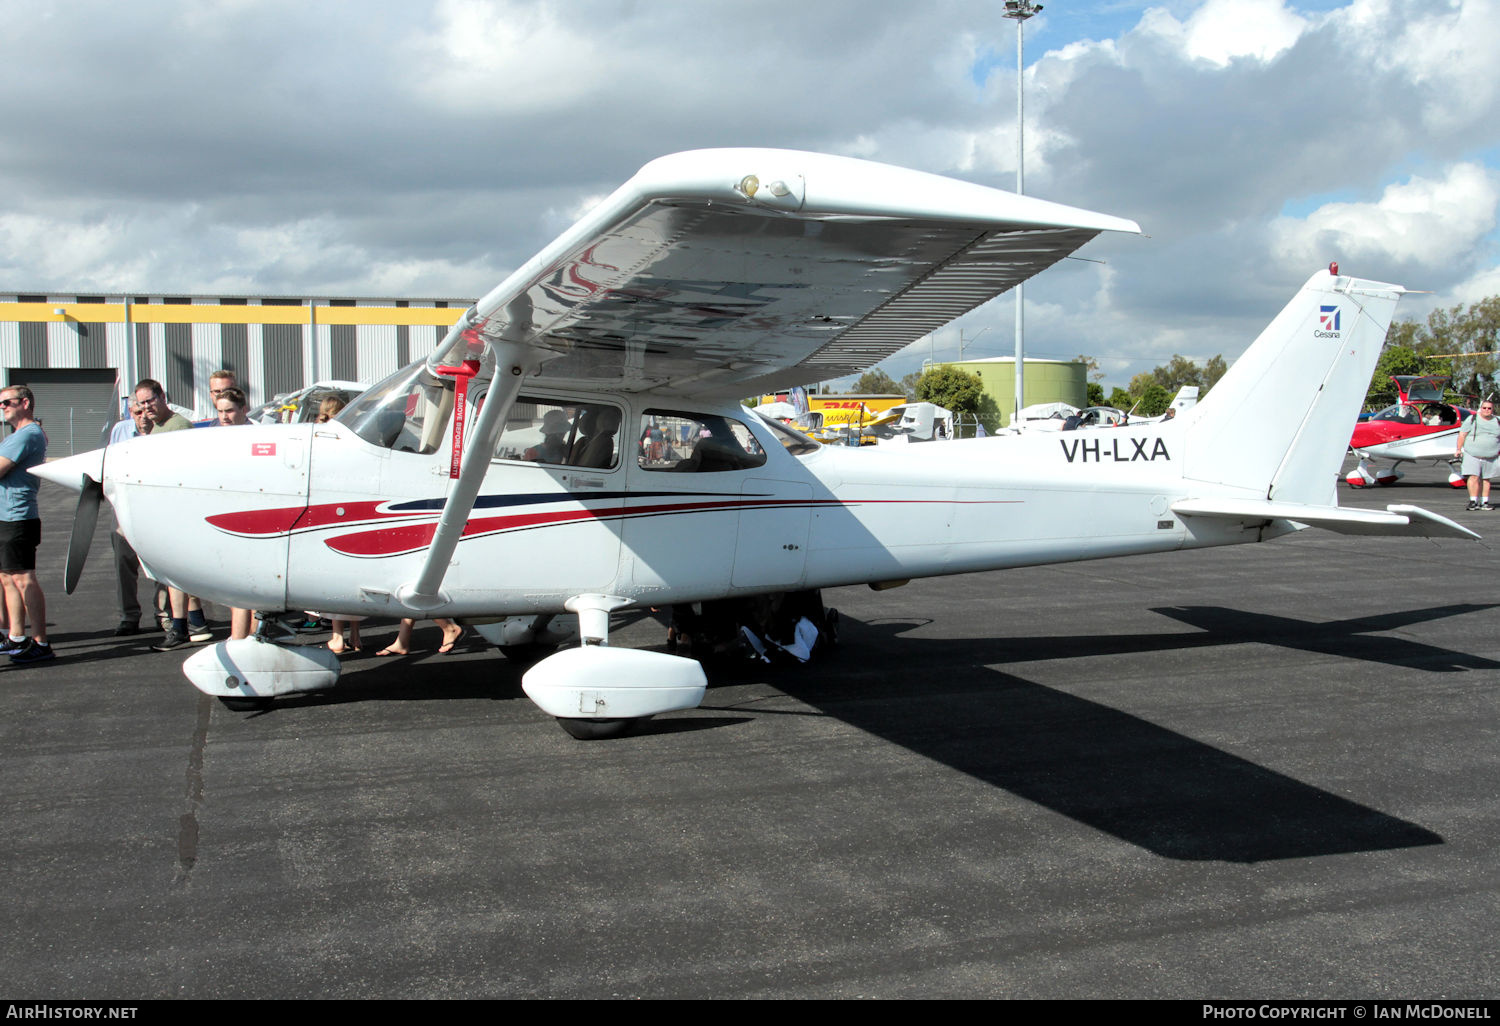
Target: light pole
column 1019, row 11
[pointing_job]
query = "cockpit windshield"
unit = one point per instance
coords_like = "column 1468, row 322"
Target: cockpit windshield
column 407, row 412
column 1401, row 413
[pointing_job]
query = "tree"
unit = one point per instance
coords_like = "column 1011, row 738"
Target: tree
column 1154, row 401
column 1395, row 359
column 1459, row 342
column 1094, row 373
column 876, row 382
column 1171, row 377
column 1095, row 394
column 951, row 389
column 1213, row 370
column 1474, row 333
column 909, row 384
column 1143, row 381
column 1180, row 371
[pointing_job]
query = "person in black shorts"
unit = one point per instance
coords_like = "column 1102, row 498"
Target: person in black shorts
column 21, row 528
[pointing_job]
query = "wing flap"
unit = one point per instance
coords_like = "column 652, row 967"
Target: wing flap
column 1397, row 520
column 714, row 271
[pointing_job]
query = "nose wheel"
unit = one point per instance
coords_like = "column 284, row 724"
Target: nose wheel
column 599, row 730
column 246, row 704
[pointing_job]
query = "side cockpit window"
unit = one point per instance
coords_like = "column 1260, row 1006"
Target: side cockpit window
column 696, row 443
column 560, row 432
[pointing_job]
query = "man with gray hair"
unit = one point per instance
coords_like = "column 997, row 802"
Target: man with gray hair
column 187, row 624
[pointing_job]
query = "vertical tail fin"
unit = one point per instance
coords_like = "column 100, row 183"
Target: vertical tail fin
column 1279, row 421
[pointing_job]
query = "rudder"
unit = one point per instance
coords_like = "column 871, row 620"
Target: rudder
column 1278, row 422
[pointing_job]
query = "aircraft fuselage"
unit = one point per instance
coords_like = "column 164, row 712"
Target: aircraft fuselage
column 316, row 517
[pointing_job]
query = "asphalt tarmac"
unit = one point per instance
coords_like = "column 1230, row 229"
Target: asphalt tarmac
column 1261, row 771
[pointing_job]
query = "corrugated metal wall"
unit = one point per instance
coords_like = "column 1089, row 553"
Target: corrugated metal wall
column 316, row 339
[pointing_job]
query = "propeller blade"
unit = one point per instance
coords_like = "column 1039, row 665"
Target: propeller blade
column 84, row 519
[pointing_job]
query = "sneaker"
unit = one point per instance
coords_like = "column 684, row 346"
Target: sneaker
column 33, row 652
column 9, row 646
column 1485, row 506
column 198, row 635
column 1472, row 506
column 127, row 628
column 171, row 641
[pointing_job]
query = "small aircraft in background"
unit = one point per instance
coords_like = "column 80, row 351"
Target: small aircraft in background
column 301, row 406
column 1062, row 417
column 1422, row 425
column 576, row 443
column 1185, row 399
column 913, row 422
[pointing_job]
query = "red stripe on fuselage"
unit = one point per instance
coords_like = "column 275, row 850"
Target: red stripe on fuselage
column 290, row 519
column 398, row 538
column 390, row 541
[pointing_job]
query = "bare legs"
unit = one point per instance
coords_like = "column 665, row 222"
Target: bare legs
column 336, row 643
column 402, row 645
column 25, row 604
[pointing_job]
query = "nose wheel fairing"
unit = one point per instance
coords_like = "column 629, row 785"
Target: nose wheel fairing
column 251, row 668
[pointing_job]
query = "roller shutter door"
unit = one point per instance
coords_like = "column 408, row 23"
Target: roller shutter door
column 75, row 406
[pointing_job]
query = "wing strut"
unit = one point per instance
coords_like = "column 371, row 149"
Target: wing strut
column 514, row 362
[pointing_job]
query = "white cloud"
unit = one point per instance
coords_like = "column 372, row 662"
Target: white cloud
column 501, row 55
column 1422, row 221
column 430, row 147
column 1222, row 30
column 1445, row 50
column 1481, row 285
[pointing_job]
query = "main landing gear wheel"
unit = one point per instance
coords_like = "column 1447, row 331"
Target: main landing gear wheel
column 599, row 730
column 246, row 704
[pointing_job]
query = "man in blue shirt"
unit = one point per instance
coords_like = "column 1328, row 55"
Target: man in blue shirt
column 21, row 527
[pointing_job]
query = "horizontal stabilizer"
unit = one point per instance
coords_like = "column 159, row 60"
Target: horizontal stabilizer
column 1400, row 521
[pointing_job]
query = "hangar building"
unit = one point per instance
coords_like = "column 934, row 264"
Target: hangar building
column 81, row 353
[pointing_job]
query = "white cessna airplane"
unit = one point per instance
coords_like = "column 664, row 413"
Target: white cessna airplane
column 576, row 443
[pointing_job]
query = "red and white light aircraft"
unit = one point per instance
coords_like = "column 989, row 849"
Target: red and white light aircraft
column 575, row 444
column 1420, row 426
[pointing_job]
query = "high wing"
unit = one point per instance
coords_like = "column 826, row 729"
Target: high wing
column 726, row 272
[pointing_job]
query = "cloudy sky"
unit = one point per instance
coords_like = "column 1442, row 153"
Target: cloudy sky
column 398, row 147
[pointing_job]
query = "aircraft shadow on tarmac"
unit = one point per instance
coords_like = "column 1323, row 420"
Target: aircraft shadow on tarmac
column 1145, row 784
column 1357, row 638
column 1115, row 772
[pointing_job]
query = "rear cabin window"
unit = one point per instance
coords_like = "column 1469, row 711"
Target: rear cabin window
column 561, row 433
column 696, row 443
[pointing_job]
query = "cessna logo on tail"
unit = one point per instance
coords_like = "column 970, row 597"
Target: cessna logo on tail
column 1114, row 450
column 1328, row 322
